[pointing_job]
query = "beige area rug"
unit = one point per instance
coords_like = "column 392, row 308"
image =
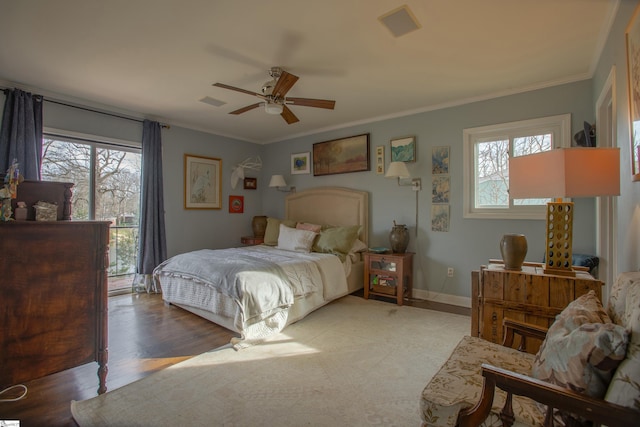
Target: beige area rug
column 354, row 362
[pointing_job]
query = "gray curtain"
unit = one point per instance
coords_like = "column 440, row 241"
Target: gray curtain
column 152, row 241
column 21, row 133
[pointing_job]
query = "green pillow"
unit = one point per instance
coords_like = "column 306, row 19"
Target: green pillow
column 272, row 231
column 337, row 240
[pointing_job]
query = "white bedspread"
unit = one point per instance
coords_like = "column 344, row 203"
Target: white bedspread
column 263, row 283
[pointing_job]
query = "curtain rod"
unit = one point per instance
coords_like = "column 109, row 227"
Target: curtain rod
column 162, row 125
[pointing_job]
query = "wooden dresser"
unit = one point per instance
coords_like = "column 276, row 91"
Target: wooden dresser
column 528, row 295
column 53, row 298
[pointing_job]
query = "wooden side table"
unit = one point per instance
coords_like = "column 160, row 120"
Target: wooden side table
column 529, row 295
column 388, row 275
column 250, row 240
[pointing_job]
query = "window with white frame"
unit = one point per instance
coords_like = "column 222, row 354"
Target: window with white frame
column 486, row 155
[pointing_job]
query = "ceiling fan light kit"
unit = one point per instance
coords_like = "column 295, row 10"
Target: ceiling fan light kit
column 272, row 108
column 274, row 96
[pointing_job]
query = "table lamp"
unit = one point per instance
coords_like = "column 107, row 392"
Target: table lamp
column 560, row 173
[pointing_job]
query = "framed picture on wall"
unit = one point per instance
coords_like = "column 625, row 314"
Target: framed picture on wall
column 632, row 34
column 300, row 163
column 250, row 183
column 342, row 155
column 236, row 204
column 202, row 182
column 403, row 149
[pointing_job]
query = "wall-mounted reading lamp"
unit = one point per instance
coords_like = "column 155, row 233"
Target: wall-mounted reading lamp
column 399, row 170
column 278, row 182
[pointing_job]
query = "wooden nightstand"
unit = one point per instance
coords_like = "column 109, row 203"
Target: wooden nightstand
column 250, row 240
column 388, row 275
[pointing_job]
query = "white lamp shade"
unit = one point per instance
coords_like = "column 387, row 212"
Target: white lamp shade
column 277, row 181
column 565, row 172
column 397, row 170
column 273, row 108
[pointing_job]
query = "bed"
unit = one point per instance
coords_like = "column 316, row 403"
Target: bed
column 265, row 288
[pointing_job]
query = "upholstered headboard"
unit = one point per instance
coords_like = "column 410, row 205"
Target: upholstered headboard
column 332, row 206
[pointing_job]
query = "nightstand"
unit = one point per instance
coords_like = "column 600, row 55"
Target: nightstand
column 250, row 240
column 388, row 275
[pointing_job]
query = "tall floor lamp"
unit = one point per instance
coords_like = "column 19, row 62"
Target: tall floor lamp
column 561, row 173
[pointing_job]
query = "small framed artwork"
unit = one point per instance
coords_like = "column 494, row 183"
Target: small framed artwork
column 440, row 189
column 403, row 149
column 202, row 182
column 632, row 34
column 250, row 183
column 440, row 160
column 236, row 204
column 342, row 155
column 440, row 218
column 380, row 160
column 300, row 163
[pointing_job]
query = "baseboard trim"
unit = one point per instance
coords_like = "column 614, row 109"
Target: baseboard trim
column 442, row 298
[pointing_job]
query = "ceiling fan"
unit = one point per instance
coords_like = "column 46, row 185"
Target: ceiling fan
column 274, row 96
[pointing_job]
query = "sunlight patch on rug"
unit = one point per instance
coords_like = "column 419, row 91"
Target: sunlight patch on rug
column 353, row 362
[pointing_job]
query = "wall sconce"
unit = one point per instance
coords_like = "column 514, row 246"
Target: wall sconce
column 399, row 170
column 560, row 173
column 278, row 182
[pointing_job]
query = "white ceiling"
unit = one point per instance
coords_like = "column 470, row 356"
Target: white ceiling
column 158, row 58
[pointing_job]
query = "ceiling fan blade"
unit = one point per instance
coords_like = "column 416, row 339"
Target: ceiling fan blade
column 288, row 115
column 247, row 108
column 308, row 102
column 237, row 89
column 285, row 82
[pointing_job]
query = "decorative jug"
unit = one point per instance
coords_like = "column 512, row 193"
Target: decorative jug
column 399, row 238
column 259, row 225
column 513, row 248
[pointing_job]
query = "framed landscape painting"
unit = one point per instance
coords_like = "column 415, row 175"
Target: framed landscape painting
column 202, row 182
column 341, row 155
column 403, row 149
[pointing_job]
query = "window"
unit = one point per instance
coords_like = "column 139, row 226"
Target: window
column 106, row 177
column 487, row 150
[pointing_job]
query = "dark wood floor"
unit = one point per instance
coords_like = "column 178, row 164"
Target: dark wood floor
column 145, row 335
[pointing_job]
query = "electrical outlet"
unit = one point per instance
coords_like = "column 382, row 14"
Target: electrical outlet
column 450, row 272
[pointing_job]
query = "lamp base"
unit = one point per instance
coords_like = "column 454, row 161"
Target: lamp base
column 559, row 248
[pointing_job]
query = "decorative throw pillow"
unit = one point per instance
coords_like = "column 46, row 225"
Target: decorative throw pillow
column 624, row 388
column 273, row 230
column 582, row 348
column 358, row 246
column 307, row 226
column 337, row 240
column 291, row 239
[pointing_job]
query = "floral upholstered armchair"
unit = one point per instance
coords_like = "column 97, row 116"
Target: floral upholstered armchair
column 586, row 371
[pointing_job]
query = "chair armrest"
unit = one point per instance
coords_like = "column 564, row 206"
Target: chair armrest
column 597, row 410
column 514, row 327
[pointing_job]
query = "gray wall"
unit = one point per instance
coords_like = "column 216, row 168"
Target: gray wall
column 628, row 204
column 469, row 242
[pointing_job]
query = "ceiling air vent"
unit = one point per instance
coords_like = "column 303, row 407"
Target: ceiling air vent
column 212, row 101
column 400, row 21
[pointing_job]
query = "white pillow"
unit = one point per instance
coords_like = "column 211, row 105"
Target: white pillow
column 358, row 246
column 292, row 239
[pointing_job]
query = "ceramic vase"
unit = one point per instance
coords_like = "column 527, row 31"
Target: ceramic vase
column 513, row 248
column 399, row 238
column 259, row 225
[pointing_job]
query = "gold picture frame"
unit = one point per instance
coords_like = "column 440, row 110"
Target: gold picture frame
column 202, row 182
column 342, row 155
column 632, row 38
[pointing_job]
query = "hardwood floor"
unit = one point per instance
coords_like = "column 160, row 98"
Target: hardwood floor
column 145, row 336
